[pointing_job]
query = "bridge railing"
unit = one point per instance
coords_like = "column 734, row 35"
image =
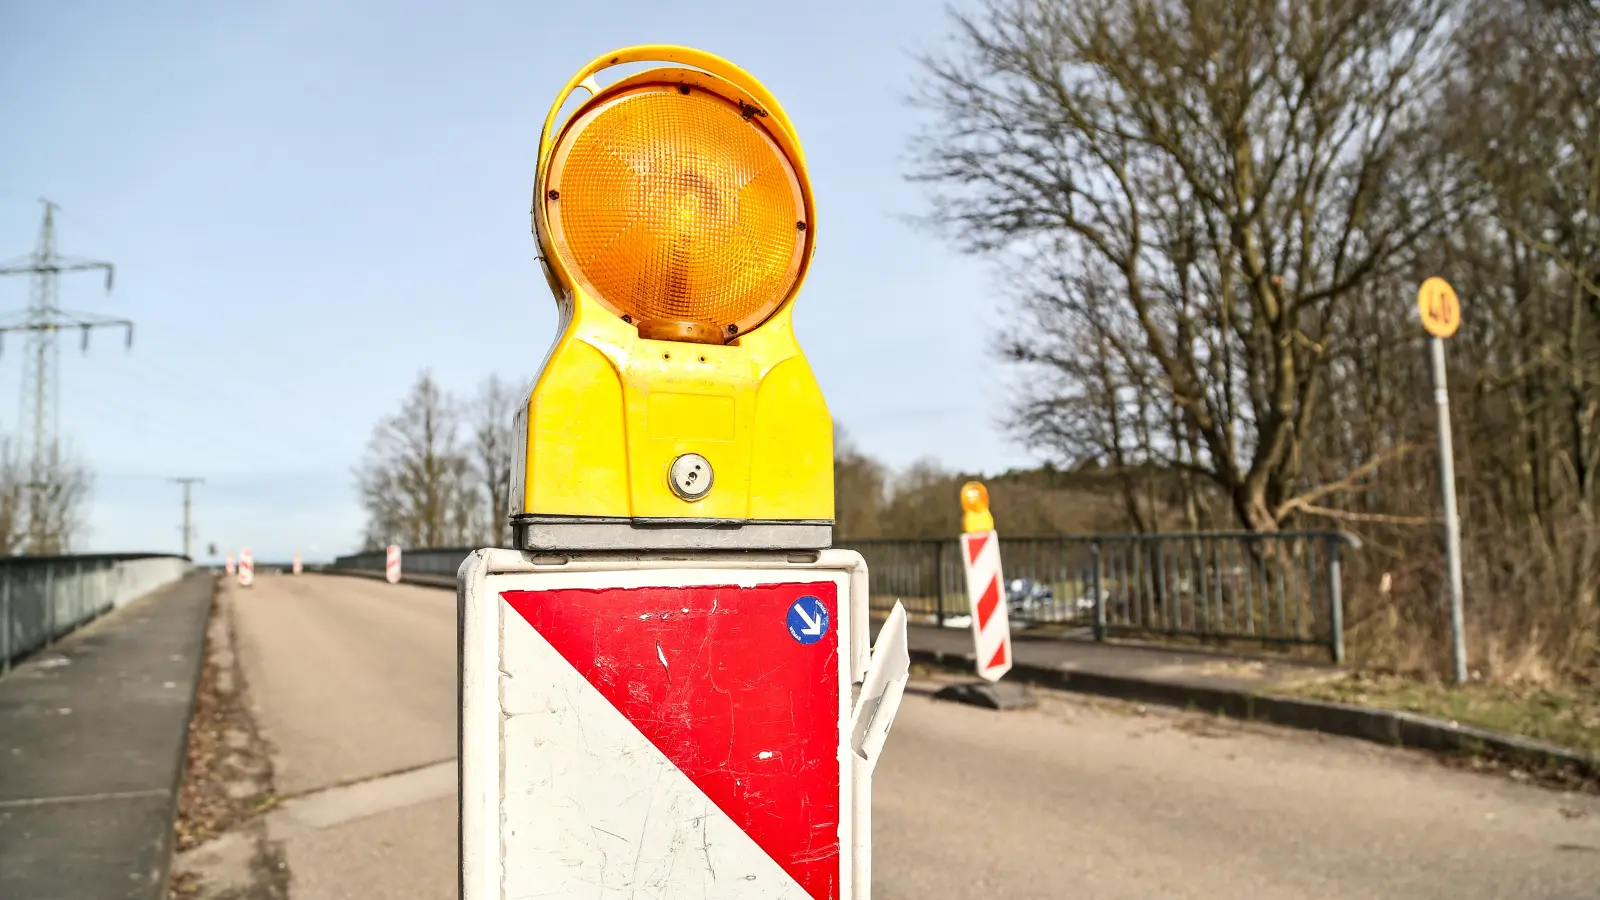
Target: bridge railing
column 42, row 598
column 441, row 561
column 1272, row 588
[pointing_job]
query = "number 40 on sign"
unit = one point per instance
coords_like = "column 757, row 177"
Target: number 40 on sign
column 1439, row 308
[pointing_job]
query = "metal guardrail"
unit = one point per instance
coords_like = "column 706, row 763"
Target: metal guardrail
column 42, row 598
column 432, row 561
column 1277, row 588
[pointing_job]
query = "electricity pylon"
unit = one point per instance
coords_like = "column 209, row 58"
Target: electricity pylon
column 40, row 406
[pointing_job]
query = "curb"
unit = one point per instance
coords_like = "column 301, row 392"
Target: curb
column 1379, row 726
column 180, row 768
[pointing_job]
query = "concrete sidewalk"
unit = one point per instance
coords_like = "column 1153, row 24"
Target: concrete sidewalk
column 1123, row 662
column 92, row 740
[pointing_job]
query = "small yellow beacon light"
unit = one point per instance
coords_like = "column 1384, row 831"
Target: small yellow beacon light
column 975, row 517
column 676, row 410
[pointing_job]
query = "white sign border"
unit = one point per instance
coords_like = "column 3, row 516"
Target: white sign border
column 479, row 622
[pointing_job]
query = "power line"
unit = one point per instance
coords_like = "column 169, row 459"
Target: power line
column 188, row 530
column 39, row 410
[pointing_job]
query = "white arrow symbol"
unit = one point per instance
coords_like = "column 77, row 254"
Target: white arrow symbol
column 813, row 626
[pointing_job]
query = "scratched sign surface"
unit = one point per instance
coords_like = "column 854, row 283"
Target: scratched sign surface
column 673, row 741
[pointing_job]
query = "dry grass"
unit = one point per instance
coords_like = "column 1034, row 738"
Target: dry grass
column 1567, row 716
column 224, row 753
column 1530, row 601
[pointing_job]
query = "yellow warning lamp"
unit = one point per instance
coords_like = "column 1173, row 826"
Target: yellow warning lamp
column 674, row 222
column 975, row 515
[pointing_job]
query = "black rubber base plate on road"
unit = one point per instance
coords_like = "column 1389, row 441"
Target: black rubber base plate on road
column 1003, row 695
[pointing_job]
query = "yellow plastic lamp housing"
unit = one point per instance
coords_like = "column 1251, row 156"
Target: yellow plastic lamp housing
column 975, row 516
column 675, row 224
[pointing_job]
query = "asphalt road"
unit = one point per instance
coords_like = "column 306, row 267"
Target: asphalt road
column 354, row 683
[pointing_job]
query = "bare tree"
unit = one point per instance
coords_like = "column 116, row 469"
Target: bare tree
column 416, row 479
column 1523, row 114
column 42, row 509
column 13, row 500
column 1235, row 171
column 493, row 453
column 1530, row 89
column 858, row 489
column 923, row 502
column 58, row 499
column 1090, row 400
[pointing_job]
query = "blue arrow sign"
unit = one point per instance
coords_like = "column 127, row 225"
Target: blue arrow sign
column 808, row 620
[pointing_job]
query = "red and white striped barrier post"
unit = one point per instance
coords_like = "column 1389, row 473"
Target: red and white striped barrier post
column 247, row 568
column 297, row 567
column 227, row 564
column 762, row 768
column 391, row 567
column 980, row 553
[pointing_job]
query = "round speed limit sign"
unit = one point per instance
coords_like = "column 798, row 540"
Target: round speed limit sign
column 1439, row 308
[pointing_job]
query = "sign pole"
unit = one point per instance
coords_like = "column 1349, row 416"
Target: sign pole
column 1441, row 316
column 1452, row 521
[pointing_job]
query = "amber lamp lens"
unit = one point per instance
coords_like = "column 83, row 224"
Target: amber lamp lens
column 974, row 497
column 677, row 206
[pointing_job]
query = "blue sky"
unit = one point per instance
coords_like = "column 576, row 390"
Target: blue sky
column 308, row 202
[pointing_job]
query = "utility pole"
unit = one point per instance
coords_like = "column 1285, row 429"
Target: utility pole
column 39, row 409
column 188, row 531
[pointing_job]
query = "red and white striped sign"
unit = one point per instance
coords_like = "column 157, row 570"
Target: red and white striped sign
column 986, row 591
column 391, row 567
column 677, row 728
column 247, row 568
column 297, row 567
column 227, row 564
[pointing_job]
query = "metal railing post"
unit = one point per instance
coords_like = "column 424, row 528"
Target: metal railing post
column 49, row 606
column 5, row 620
column 938, row 581
column 1335, row 599
column 1099, row 592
